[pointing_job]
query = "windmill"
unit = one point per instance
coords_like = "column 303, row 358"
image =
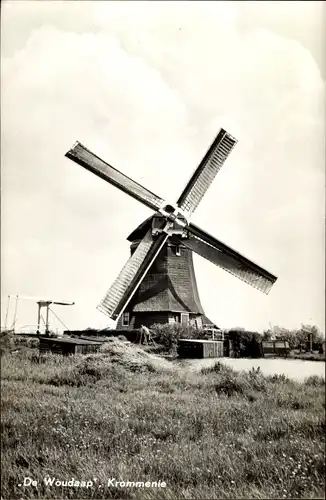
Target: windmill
column 157, row 283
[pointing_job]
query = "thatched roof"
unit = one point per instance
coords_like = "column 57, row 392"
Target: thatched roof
column 170, row 284
column 141, row 230
column 207, row 321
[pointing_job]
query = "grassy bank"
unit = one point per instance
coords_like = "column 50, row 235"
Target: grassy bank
column 307, row 356
column 127, row 414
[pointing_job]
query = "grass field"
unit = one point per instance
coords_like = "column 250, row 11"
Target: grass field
column 128, row 415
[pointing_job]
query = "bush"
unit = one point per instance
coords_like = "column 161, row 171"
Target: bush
column 278, row 378
column 246, row 344
column 6, row 341
column 168, row 335
column 245, row 384
column 315, row 381
column 10, row 342
column 218, row 367
column 28, row 342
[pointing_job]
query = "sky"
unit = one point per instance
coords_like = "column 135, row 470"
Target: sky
column 147, row 86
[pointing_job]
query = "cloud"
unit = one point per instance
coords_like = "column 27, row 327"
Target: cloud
column 148, row 91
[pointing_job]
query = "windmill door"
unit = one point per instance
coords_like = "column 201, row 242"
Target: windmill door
column 184, row 319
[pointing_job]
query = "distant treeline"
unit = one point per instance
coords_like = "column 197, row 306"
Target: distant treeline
column 296, row 337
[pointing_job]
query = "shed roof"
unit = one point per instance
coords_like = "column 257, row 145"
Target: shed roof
column 68, row 340
column 200, row 341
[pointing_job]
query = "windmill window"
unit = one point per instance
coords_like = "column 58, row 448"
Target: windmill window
column 177, row 251
column 125, row 319
column 199, row 322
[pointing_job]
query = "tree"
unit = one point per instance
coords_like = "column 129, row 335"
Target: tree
column 245, row 343
column 317, row 336
column 267, row 335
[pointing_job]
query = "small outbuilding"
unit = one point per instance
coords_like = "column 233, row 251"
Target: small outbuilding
column 66, row 345
column 195, row 348
column 279, row 347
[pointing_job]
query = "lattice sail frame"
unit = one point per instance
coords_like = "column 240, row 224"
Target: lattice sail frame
column 206, row 172
column 131, row 275
column 231, row 261
column 84, row 157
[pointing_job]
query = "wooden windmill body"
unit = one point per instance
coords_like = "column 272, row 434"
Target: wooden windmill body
column 158, row 283
column 168, row 293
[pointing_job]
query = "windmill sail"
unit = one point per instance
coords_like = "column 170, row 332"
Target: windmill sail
column 132, row 274
column 206, row 171
column 228, row 259
column 84, row 157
